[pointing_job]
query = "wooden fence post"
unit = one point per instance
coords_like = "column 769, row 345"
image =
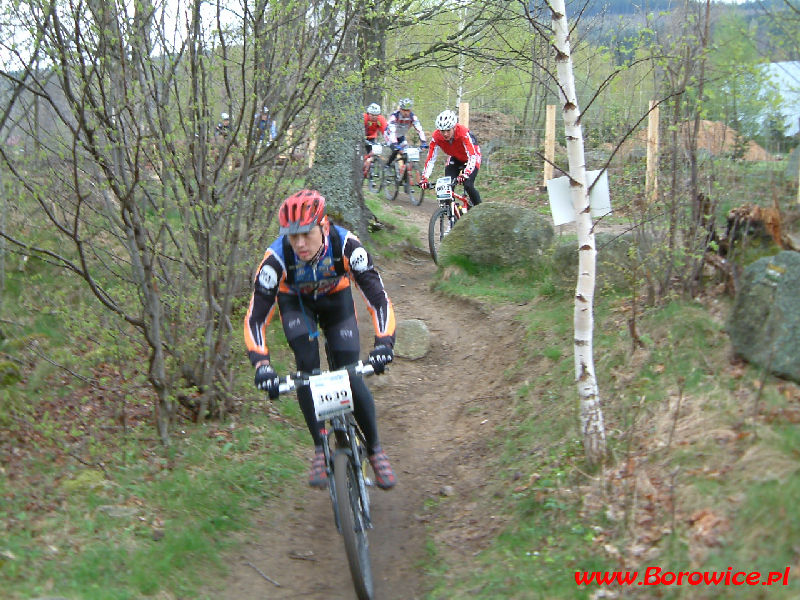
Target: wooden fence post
column 463, row 114
column 312, row 144
column 549, row 142
column 651, row 176
column 798, row 176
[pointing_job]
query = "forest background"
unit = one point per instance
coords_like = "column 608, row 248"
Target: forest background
column 113, row 178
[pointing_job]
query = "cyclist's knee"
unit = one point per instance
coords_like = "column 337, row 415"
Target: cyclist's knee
column 473, row 194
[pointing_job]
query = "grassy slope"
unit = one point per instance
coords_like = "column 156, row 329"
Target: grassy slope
column 699, row 477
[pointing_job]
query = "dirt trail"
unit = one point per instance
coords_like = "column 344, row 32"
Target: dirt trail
column 431, row 415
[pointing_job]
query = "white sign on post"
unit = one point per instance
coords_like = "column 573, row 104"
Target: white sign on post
column 561, row 201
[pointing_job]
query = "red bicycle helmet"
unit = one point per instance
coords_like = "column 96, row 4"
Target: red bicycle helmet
column 300, row 212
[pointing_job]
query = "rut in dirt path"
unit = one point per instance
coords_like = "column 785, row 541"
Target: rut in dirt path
column 435, row 417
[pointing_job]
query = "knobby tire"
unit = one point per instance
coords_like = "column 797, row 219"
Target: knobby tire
column 417, row 193
column 354, row 530
column 438, row 227
column 392, row 185
column 375, row 176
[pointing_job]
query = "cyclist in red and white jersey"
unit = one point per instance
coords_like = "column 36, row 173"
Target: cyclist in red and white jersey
column 399, row 123
column 374, row 126
column 464, row 154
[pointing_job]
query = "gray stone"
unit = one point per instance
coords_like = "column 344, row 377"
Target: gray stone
column 118, row 512
column 764, row 325
column 413, row 339
column 498, row 235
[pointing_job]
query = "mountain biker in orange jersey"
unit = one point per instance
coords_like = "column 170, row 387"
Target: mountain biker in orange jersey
column 307, row 270
column 374, row 126
column 464, row 154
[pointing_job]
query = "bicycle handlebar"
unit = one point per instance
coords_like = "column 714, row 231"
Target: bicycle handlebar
column 289, row 383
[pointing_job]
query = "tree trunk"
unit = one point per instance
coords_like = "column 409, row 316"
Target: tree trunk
column 591, row 414
column 372, row 49
column 336, row 172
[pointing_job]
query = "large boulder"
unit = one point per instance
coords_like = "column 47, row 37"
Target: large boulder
column 498, row 235
column 764, row 325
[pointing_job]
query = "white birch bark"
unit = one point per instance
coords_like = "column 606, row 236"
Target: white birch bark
column 591, row 414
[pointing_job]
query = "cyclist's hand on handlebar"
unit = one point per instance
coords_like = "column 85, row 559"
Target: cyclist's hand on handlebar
column 424, row 183
column 461, row 178
column 267, row 380
column 380, row 357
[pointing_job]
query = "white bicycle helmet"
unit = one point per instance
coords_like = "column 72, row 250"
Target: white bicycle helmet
column 406, row 103
column 224, row 116
column 447, row 119
column 374, row 109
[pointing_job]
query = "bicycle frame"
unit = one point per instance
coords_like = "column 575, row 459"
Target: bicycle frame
column 348, row 438
column 409, row 156
column 406, row 175
column 370, row 157
column 452, row 207
column 455, row 204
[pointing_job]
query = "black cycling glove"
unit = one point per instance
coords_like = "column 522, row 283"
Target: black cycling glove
column 267, row 380
column 380, row 357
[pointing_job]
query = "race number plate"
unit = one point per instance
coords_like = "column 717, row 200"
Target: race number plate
column 331, row 393
column 443, row 187
column 377, row 149
column 412, row 153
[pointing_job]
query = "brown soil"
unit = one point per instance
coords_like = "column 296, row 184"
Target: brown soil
column 431, row 414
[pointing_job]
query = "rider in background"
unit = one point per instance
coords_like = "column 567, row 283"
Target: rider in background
column 464, row 154
column 400, row 122
column 307, row 271
column 223, row 127
column 265, row 125
column 374, row 126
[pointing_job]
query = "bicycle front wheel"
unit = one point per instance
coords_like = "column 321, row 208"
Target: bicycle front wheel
column 418, row 193
column 438, row 227
column 354, row 528
column 392, row 184
column 375, row 176
column 409, row 188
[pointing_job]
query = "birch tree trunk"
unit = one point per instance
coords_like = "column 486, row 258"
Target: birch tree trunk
column 591, row 414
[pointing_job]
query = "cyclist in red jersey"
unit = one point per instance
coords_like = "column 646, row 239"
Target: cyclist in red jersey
column 374, row 126
column 464, row 154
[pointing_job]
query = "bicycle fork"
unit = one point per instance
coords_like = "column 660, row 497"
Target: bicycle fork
column 326, row 449
column 347, row 441
column 357, row 458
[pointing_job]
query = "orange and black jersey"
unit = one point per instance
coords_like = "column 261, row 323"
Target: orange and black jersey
column 312, row 280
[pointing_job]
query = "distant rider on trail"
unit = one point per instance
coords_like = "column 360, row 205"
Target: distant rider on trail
column 374, row 126
column 399, row 123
